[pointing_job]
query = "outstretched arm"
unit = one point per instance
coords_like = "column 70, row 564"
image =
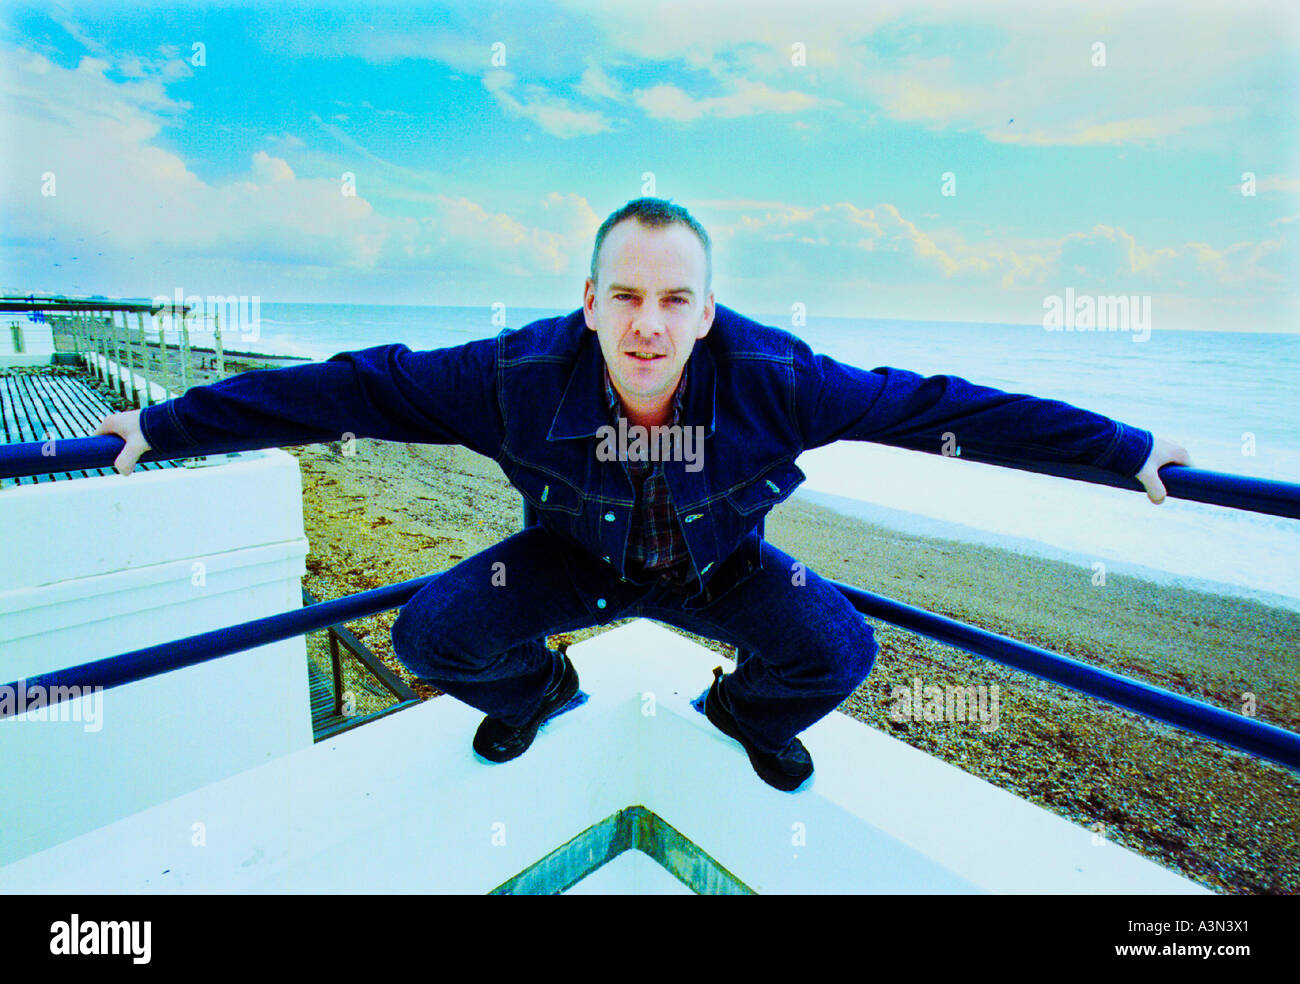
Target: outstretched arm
column 837, row 401
column 388, row 392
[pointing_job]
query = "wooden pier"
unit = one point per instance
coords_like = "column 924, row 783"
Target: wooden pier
column 135, row 354
column 47, row 407
column 144, row 353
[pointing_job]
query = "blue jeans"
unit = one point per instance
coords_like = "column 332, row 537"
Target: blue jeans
column 478, row 631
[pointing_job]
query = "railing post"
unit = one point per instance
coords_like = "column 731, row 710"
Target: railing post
column 17, row 331
column 96, row 342
column 216, row 343
column 186, row 367
column 110, row 352
column 163, row 354
column 145, row 368
column 87, row 360
column 130, row 359
column 101, row 346
column 117, row 354
column 338, row 673
column 128, row 379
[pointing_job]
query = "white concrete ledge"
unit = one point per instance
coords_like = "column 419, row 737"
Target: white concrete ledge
column 108, row 564
column 401, row 805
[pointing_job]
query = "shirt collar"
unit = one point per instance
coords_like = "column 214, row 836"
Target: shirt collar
column 614, row 404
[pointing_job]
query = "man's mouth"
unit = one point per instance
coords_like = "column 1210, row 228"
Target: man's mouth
column 645, row 356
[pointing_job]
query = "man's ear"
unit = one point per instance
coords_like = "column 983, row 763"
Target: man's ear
column 588, row 301
column 706, row 320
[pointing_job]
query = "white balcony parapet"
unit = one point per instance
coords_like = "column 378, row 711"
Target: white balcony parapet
column 402, row 805
column 102, row 565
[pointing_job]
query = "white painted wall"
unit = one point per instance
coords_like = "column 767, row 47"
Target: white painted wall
column 94, row 567
column 36, row 337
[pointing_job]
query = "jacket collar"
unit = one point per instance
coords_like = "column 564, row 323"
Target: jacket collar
column 582, row 411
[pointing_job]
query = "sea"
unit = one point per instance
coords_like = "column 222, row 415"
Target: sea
column 1231, row 398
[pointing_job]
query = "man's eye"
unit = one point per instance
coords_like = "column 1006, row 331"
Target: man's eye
column 681, row 299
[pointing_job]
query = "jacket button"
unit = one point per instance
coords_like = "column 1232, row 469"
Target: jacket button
column 600, row 602
column 609, row 517
column 607, row 560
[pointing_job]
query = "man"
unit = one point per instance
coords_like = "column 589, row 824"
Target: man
column 621, row 532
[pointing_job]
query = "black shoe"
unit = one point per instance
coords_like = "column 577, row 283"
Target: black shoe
column 497, row 741
column 786, row 770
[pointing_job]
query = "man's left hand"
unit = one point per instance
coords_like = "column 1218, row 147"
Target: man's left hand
column 1163, row 452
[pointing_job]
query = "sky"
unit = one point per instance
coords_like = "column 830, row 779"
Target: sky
column 946, row 161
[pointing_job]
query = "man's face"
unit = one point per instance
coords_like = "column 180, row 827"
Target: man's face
column 650, row 300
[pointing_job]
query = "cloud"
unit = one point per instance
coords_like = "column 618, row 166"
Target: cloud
column 79, row 34
column 138, row 199
column 573, row 216
column 1124, row 131
column 722, row 37
column 1276, row 182
column 880, row 245
column 385, row 44
column 595, row 84
column 748, row 99
column 146, row 196
column 288, row 141
column 966, row 66
column 907, row 99
column 268, row 168
column 552, row 113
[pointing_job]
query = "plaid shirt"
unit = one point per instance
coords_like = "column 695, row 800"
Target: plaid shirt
column 655, row 547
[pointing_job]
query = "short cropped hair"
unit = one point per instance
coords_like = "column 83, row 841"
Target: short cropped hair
column 655, row 213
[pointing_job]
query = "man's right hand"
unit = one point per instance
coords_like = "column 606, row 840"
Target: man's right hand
column 1163, row 452
column 127, row 427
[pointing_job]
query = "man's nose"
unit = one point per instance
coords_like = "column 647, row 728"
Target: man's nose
column 648, row 324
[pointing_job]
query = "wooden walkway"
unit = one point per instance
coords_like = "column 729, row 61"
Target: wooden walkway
column 323, row 718
column 37, row 407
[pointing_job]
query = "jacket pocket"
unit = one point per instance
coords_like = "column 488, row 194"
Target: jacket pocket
column 545, row 489
column 767, row 488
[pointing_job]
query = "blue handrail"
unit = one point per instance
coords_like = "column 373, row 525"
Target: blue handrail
column 1181, row 482
column 1243, row 733
column 140, row 664
column 1246, row 734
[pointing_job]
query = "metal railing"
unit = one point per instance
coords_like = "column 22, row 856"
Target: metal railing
column 122, row 356
column 1235, row 491
column 339, row 636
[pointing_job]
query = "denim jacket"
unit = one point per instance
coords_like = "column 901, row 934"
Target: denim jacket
column 532, row 400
